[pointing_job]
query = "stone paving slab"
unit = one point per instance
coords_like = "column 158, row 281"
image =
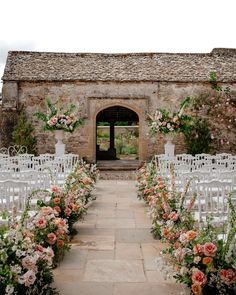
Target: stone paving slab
column 114, row 271
column 128, row 251
column 85, row 288
column 102, row 254
column 74, row 259
column 94, row 242
column 147, row 289
column 133, row 236
column 115, row 223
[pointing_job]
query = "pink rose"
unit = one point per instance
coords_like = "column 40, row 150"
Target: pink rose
column 199, row 278
column 51, row 238
column 29, row 262
column 228, row 276
column 41, row 222
column 55, row 189
column 29, row 278
column 67, row 211
column 173, row 216
column 209, row 249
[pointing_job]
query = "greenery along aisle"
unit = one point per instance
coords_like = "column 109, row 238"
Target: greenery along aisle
column 200, row 257
column 31, row 247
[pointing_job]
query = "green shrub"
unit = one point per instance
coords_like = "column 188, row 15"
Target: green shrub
column 197, row 137
column 23, row 134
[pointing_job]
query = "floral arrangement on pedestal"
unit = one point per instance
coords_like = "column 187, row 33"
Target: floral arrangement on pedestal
column 202, row 258
column 164, row 122
column 58, row 118
column 33, row 245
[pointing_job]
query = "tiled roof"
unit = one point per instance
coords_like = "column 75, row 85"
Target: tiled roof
column 186, row 67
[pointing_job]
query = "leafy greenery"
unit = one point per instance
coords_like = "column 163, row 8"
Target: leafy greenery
column 197, row 137
column 23, row 134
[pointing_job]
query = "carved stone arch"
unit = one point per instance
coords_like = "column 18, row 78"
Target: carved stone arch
column 139, row 106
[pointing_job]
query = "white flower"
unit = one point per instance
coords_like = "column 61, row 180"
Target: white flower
column 9, row 289
column 16, row 269
column 183, row 238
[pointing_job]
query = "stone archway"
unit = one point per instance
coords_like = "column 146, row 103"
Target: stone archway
column 138, row 105
column 115, row 117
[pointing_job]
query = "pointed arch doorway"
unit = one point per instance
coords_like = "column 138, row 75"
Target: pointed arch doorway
column 117, row 133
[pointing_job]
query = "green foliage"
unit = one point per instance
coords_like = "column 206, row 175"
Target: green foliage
column 197, row 137
column 23, row 134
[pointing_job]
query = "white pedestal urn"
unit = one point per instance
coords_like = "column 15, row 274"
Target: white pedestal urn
column 59, row 146
column 169, row 146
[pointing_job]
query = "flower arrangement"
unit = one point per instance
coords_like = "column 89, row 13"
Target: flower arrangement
column 200, row 258
column 59, row 119
column 24, row 264
column 31, row 247
column 164, row 122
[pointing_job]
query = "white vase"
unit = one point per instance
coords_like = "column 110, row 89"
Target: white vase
column 169, row 146
column 59, row 146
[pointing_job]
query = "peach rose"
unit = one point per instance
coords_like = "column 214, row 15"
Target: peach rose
column 52, row 238
column 86, row 180
column 47, row 210
column 191, row 235
column 207, row 260
column 209, row 249
column 199, row 278
column 75, row 207
column 60, row 243
column 196, row 289
column 57, row 209
column 197, row 249
column 228, row 276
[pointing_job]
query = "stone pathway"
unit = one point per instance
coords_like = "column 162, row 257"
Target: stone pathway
column 114, row 252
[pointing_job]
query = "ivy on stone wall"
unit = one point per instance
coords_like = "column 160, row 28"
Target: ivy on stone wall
column 23, row 134
column 215, row 120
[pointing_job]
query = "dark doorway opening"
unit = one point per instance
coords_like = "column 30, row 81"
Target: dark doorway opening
column 117, row 134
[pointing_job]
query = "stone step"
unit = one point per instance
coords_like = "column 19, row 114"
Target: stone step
column 117, row 174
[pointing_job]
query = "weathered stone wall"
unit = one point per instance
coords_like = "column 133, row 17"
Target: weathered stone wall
column 92, row 97
column 8, row 119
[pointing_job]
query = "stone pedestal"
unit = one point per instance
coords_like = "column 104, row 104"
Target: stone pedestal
column 59, row 146
column 169, row 146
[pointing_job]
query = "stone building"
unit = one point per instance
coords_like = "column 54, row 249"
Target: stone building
column 125, row 85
